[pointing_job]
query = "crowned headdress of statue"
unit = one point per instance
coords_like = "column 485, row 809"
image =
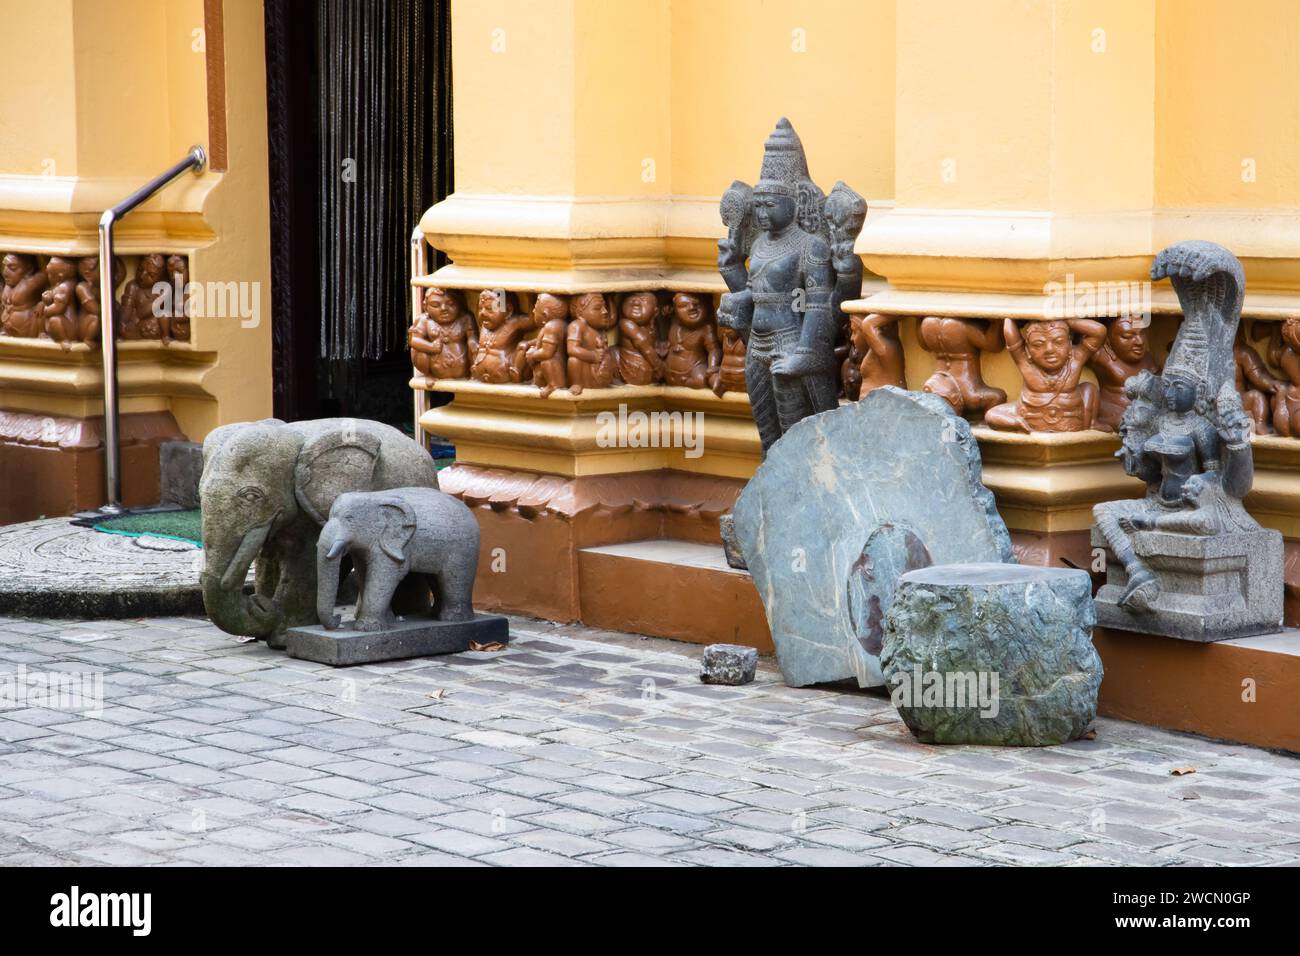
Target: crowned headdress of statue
column 785, row 171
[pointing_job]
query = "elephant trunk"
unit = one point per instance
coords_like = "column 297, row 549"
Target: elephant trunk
column 329, row 558
column 226, row 567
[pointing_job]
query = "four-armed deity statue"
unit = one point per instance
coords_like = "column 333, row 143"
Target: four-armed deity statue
column 1187, row 560
column 788, row 261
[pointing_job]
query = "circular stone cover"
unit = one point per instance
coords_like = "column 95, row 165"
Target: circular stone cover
column 51, row 568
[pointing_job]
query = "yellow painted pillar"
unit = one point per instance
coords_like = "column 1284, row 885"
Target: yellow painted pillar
column 97, row 98
column 1024, row 145
column 562, row 142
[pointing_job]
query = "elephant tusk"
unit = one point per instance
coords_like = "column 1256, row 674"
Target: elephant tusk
column 243, row 556
column 336, row 549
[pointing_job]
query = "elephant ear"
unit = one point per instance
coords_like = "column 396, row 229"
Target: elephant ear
column 330, row 465
column 399, row 528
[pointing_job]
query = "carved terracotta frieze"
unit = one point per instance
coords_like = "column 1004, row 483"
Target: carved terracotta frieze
column 57, row 297
column 576, row 342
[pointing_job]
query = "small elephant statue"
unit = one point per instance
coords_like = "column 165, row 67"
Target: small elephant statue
column 388, row 535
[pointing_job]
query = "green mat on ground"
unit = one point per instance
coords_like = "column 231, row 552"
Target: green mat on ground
column 181, row 525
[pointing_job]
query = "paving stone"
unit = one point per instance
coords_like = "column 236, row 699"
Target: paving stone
column 646, row 838
column 1032, row 836
column 931, row 835
column 826, row 856
column 1024, row 855
column 458, row 842
column 744, row 839
column 635, row 860
column 275, row 767
column 564, row 844
column 252, row 838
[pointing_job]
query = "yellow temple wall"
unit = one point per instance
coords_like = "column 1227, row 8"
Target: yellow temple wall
column 98, row 97
column 1001, row 148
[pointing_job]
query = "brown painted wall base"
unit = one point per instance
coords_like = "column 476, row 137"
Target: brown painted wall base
column 536, row 526
column 1244, row 690
column 52, row 466
column 671, row 589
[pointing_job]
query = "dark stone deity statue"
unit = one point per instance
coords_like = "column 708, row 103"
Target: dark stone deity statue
column 788, row 261
column 1188, row 560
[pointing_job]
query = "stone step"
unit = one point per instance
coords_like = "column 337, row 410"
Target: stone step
column 666, row 588
column 1244, row 689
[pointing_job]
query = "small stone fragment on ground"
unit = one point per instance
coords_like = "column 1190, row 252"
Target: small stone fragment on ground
column 731, row 664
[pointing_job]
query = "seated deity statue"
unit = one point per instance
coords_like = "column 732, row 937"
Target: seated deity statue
column 1185, row 432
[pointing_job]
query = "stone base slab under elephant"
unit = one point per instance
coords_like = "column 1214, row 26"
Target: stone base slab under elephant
column 413, row 637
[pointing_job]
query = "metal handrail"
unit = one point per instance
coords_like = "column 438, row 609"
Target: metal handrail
column 196, row 159
column 419, row 267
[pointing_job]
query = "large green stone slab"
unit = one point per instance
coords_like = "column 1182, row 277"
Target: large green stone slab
column 844, row 503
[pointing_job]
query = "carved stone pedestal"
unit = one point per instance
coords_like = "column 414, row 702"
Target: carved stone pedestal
column 1211, row 588
column 414, row 637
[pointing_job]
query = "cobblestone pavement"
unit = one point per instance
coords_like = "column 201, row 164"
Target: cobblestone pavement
column 573, row 746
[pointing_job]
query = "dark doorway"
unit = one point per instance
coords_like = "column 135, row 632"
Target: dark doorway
column 359, row 130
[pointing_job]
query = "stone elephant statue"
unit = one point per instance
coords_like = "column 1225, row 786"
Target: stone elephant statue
column 390, row 534
column 267, row 487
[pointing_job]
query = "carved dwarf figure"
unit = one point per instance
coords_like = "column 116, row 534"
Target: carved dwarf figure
column 497, row 359
column 88, row 296
column 956, row 344
column 1284, row 353
column 178, row 270
column 876, row 338
column 1125, row 353
column 142, row 315
column 591, row 361
column 850, row 355
column 639, row 362
column 694, row 353
column 546, row 355
column 59, row 301
column 1185, row 433
column 1053, row 399
column 442, row 338
column 1257, row 386
column 784, row 303
column 731, row 373
column 22, row 313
